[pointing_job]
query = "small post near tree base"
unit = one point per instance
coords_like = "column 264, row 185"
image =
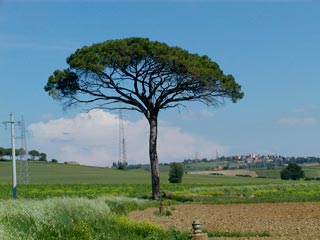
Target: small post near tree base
column 162, row 208
column 197, row 231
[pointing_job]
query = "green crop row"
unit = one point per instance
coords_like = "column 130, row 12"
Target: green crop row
column 253, row 193
column 229, row 193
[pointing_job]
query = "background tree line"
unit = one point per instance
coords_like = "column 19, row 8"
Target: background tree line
column 34, row 155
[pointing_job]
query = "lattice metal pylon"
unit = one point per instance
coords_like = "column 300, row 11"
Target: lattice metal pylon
column 122, row 142
column 23, row 156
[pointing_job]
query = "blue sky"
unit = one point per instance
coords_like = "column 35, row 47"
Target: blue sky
column 272, row 49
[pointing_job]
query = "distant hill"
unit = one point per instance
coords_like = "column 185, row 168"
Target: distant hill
column 42, row 172
column 59, row 173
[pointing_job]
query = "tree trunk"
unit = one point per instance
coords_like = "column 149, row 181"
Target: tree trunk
column 155, row 174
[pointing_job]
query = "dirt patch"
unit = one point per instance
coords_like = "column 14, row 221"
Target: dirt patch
column 281, row 220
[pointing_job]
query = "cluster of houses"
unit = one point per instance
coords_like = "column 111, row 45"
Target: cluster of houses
column 254, row 160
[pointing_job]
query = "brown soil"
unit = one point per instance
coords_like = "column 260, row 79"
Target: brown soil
column 282, row 220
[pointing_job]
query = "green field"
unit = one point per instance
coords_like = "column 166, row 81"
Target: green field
column 48, row 173
column 61, row 173
column 54, row 180
column 310, row 172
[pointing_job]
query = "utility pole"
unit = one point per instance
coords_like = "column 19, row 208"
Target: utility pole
column 13, row 153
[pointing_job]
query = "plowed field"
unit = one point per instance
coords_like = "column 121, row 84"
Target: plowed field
column 282, row 220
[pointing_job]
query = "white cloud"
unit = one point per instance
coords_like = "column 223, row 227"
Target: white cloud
column 23, row 42
column 92, row 139
column 297, row 121
column 187, row 114
column 307, row 108
column 206, row 113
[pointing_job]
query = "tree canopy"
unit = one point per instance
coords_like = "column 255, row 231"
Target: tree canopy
column 34, row 154
column 145, row 76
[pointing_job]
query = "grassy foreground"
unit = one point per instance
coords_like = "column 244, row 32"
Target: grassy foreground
column 59, row 213
column 77, row 218
column 78, row 202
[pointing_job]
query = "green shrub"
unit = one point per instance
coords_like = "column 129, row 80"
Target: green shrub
column 292, row 171
column 243, row 175
column 176, row 172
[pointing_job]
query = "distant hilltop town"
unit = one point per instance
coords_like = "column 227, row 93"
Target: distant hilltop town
column 255, row 161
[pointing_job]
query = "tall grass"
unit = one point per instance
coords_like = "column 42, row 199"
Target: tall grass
column 76, row 218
